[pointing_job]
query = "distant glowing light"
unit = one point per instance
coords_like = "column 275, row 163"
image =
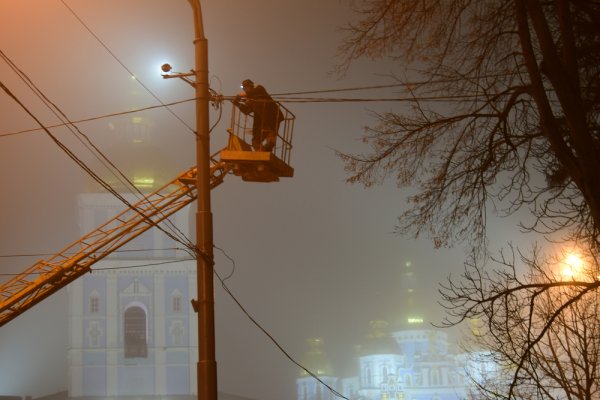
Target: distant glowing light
column 574, row 260
column 143, row 182
column 572, row 266
column 136, row 120
column 415, row 320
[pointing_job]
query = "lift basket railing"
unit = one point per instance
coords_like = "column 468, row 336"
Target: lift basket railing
column 241, row 126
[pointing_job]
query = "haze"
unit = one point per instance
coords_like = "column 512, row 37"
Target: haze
column 313, row 255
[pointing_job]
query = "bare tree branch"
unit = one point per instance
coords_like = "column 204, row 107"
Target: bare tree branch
column 527, row 133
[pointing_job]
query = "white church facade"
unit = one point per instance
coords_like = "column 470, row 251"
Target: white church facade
column 132, row 329
column 408, row 364
column 412, row 361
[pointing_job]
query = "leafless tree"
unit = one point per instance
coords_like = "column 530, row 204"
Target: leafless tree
column 540, row 327
column 515, row 122
column 515, row 125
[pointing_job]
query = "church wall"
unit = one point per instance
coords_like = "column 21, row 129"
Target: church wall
column 94, row 380
column 136, row 379
column 376, row 369
column 178, row 380
column 98, row 302
column 308, row 388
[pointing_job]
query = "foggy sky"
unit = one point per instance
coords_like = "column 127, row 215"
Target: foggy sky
column 314, row 256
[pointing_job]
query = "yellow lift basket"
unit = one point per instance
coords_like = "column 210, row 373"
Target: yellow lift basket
column 258, row 166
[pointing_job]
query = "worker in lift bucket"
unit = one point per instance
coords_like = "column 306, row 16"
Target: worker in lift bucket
column 255, row 101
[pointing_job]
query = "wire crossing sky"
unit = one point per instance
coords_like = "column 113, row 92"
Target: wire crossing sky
column 314, row 256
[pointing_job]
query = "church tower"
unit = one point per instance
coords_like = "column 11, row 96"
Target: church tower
column 405, row 360
column 410, row 312
column 379, row 363
column 132, row 329
column 317, row 362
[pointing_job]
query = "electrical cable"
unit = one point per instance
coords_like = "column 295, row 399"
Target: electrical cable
column 182, row 236
column 119, row 175
column 104, row 184
column 96, row 152
column 231, row 260
column 269, row 336
column 279, row 99
column 236, row 301
column 282, row 99
column 391, row 85
column 124, row 66
column 71, row 253
column 444, row 99
column 352, row 89
column 79, row 162
column 116, row 114
column 62, row 117
column 142, row 265
column 121, row 266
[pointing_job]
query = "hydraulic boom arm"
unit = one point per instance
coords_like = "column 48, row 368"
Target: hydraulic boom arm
column 48, row 276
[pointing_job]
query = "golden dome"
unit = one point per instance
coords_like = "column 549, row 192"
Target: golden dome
column 315, row 360
column 379, row 341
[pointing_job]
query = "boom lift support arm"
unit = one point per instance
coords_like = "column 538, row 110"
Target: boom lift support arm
column 46, row 277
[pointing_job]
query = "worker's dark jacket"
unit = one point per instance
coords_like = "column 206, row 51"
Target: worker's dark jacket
column 266, row 112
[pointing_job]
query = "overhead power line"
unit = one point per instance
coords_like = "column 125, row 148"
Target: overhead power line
column 267, row 333
column 153, row 264
column 20, row 255
column 351, row 89
column 415, row 99
column 222, row 280
column 408, row 85
column 182, row 239
column 279, row 98
column 236, row 301
column 176, row 234
column 124, row 66
column 89, row 119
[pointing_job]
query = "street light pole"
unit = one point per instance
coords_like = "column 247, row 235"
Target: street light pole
column 207, row 365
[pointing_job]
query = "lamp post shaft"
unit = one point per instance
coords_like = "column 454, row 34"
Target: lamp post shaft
column 207, row 365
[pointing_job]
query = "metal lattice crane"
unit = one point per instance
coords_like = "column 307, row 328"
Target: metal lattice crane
column 46, row 277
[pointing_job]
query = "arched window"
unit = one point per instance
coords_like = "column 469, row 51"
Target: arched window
column 134, row 325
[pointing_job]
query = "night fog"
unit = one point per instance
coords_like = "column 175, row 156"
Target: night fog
column 314, row 256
